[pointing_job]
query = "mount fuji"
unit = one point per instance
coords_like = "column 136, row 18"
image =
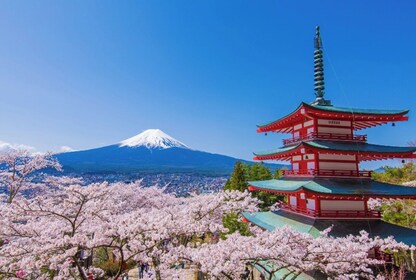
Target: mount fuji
column 150, row 151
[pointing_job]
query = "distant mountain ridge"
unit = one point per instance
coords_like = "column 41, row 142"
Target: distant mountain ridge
column 150, row 151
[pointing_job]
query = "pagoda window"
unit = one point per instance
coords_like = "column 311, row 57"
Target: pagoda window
column 309, row 157
column 297, row 127
column 295, row 166
column 311, row 204
column 293, row 201
column 308, row 123
column 296, row 158
column 310, row 165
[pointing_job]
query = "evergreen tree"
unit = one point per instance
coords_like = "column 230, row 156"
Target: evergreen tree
column 277, row 174
column 259, row 172
column 256, row 172
column 238, row 179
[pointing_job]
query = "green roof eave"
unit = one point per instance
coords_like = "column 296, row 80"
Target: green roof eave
column 358, row 110
column 341, row 228
column 277, row 151
column 336, row 187
column 270, row 221
column 358, row 147
column 340, row 146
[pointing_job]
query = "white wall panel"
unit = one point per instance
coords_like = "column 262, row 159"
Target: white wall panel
column 337, row 157
column 337, row 165
column 334, row 122
column 342, row 205
column 336, row 130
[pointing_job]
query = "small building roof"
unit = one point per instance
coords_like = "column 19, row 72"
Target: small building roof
column 323, row 187
column 365, row 151
column 280, row 218
column 361, row 118
column 282, row 273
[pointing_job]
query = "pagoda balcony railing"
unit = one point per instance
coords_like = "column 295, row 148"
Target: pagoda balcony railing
column 325, row 136
column 326, row 173
column 341, row 214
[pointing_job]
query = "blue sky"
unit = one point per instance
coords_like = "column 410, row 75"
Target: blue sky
column 92, row 73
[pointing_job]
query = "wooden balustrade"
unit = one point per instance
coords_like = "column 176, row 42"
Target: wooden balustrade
column 325, row 136
column 327, row 173
column 333, row 213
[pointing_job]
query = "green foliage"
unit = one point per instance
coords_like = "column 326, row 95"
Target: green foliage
column 101, row 255
column 259, row 172
column 110, row 267
column 233, row 222
column 396, row 175
column 238, row 179
column 256, row 172
column 277, row 174
column 51, row 273
column 400, row 212
column 268, row 199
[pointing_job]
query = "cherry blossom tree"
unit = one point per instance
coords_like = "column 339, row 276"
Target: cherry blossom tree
column 290, row 252
column 48, row 236
column 18, row 167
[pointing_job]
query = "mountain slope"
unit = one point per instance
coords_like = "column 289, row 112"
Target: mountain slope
column 150, row 151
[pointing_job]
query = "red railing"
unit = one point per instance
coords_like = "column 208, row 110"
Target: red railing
column 327, row 173
column 309, row 212
column 333, row 213
column 325, row 136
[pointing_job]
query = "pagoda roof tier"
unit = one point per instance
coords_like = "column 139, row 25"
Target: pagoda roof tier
column 341, row 228
column 335, row 188
column 364, row 151
column 361, row 118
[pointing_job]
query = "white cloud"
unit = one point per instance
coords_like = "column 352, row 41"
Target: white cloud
column 66, row 149
column 5, row 146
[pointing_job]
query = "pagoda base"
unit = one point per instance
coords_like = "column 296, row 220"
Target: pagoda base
column 276, row 219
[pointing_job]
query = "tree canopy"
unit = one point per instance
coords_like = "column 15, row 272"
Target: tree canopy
column 397, row 175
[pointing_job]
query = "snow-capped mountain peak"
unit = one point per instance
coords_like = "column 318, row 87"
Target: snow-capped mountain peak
column 152, row 139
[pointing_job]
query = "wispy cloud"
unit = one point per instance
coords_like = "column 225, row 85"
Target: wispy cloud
column 5, row 146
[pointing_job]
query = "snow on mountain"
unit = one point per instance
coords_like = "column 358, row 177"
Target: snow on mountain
column 152, row 139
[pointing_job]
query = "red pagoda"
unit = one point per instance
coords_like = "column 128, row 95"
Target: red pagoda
column 325, row 185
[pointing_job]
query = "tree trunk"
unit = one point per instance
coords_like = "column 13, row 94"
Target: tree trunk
column 80, row 270
column 157, row 270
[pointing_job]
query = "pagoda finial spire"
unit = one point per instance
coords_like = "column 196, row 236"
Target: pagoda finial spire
column 319, row 71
